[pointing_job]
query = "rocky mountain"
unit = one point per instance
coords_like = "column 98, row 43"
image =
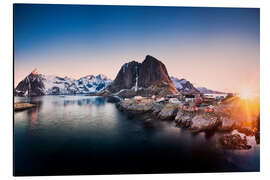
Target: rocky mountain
column 184, row 86
column 36, row 84
column 32, row 85
column 147, row 78
column 127, row 77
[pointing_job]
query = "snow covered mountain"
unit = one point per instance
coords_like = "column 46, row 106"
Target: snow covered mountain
column 184, row 86
column 36, row 84
column 93, row 84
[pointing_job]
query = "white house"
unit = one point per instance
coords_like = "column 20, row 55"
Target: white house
column 174, row 101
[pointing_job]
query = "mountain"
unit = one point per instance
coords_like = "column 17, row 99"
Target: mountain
column 93, row 84
column 147, row 78
column 209, row 91
column 36, row 84
column 184, row 86
column 126, row 77
column 32, row 85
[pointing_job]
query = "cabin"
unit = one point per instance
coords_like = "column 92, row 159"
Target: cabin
column 175, row 101
column 189, row 98
column 138, row 97
column 162, row 99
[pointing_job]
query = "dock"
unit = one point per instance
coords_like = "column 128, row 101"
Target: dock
column 18, row 106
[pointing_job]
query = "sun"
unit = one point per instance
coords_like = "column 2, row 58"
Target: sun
column 247, row 95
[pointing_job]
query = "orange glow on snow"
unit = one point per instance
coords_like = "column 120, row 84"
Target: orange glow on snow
column 35, row 71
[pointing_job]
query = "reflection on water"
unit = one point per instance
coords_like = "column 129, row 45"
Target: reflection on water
column 87, row 135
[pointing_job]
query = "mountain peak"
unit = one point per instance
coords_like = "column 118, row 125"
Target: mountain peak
column 183, row 85
column 89, row 76
column 150, row 75
column 35, row 71
column 102, row 76
column 150, row 58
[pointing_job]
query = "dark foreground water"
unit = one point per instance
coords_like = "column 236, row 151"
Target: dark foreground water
column 67, row 135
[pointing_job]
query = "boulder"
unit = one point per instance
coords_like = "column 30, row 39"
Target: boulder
column 204, row 123
column 226, row 124
column 168, row 112
column 234, row 141
column 156, row 108
column 183, row 119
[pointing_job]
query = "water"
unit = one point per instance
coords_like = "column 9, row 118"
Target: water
column 87, row 135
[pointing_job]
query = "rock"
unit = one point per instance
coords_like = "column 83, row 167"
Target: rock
column 226, row 124
column 257, row 137
column 126, row 93
column 113, row 99
column 183, row 119
column 136, row 106
column 104, row 93
column 234, row 141
column 157, row 108
column 168, row 112
column 251, row 140
column 179, row 116
column 246, row 130
column 204, row 123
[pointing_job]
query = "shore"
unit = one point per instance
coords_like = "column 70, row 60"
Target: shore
column 18, row 106
column 199, row 120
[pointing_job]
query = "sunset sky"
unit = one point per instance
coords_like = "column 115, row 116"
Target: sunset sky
column 218, row 48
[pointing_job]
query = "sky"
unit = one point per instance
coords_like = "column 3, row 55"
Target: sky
column 218, row 48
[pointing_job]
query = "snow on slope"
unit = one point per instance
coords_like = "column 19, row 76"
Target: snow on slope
column 38, row 84
column 84, row 85
column 183, row 85
column 209, row 91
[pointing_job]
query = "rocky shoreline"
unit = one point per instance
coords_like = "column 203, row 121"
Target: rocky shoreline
column 195, row 121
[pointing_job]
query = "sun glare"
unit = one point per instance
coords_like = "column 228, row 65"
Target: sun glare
column 247, row 95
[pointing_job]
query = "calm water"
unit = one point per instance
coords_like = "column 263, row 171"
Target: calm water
column 87, row 135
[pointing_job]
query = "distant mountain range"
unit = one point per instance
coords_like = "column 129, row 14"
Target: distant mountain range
column 145, row 79
column 36, row 84
column 209, row 91
column 186, row 87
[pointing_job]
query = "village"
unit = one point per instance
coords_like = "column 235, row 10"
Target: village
column 198, row 113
